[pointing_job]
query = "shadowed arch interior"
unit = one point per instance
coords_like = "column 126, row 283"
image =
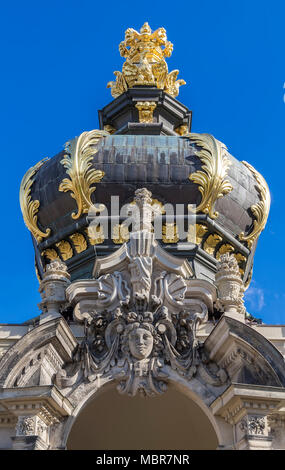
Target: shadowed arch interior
column 118, row 422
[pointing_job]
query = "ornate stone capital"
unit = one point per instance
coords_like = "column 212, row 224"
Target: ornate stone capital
column 253, row 432
column 32, row 433
column 254, row 425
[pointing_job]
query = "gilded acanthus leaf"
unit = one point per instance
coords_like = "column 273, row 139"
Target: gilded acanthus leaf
column 28, row 206
column 260, row 210
column 82, row 176
column 226, row 248
column 240, row 258
column 95, row 235
column 211, row 242
column 197, row 233
column 50, row 254
column 65, row 249
column 211, row 180
column 79, row 242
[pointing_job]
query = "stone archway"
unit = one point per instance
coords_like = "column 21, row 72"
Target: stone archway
column 118, row 422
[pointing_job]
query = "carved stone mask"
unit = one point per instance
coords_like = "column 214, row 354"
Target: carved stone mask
column 140, row 343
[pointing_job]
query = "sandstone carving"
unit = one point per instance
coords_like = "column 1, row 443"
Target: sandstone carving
column 137, row 324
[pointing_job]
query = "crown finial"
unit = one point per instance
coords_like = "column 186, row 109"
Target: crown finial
column 145, row 29
column 145, row 64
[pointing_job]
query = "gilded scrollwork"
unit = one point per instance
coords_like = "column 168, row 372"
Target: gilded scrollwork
column 212, row 178
column 82, row 176
column 260, row 210
column 29, row 206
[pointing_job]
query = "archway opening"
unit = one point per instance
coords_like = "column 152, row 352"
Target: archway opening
column 112, row 421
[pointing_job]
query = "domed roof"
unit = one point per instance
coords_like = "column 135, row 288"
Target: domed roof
column 145, row 141
column 172, row 168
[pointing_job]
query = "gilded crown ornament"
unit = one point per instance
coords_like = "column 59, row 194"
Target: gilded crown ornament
column 145, row 64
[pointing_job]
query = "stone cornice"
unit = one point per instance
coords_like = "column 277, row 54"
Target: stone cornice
column 239, row 399
column 47, row 402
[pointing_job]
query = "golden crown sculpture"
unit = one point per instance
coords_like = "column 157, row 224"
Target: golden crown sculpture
column 145, row 64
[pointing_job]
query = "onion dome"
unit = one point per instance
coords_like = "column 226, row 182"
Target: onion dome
column 144, row 141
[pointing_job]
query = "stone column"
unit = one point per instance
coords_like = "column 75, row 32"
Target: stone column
column 230, row 288
column 52, row 290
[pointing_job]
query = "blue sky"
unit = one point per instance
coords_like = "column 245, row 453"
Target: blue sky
column 56, row 59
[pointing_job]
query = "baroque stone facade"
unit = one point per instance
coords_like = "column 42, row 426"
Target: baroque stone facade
column 139, row 321
column 160, row 320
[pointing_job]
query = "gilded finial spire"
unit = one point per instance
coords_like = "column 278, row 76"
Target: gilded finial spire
column 145, row 63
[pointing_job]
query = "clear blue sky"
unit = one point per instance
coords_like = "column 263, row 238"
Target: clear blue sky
column 56, row 59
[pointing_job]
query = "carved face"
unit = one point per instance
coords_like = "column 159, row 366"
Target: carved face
column 140, row 343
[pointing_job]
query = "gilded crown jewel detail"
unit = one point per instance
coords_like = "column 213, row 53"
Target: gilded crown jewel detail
column 145, row 64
